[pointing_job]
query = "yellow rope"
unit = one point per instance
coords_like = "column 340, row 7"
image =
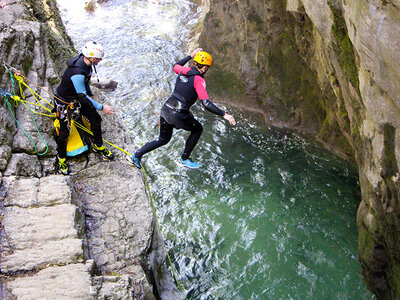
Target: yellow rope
column 80, row 126
column 159, row 230
column 34, row 94
column 18, row 99
column 38, row 86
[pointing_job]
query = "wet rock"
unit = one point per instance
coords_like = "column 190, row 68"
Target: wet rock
column 59, row 252
column 91, row 5
column 125, row 286
column 105, row 84
column 24, row 165
column 54, row 189
column 166, row 287
column 21, row 192
column 27, row 228
column 72, row 281
column 119, row 218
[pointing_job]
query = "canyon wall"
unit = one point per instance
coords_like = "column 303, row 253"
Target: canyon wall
column 329, row 68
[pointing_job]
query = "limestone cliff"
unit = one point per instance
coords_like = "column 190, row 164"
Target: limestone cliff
column 329, row 68
column 90, row 235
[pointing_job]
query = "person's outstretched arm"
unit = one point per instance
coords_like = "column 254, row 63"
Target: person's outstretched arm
column 200, row 87
column 79, row 85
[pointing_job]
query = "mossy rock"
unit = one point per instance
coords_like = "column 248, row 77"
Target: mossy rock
column 224, row 83
column 343, row 46
column 389, row 162
column 53, row 81
column 91, row 5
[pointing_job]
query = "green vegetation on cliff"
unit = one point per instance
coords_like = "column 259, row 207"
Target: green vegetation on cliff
column 343, row 46
column 223, row 80
column 224, row 83
column 52, row 30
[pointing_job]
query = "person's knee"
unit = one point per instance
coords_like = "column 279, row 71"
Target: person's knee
column 93, row 117
column 198, row 129
column 164, row 140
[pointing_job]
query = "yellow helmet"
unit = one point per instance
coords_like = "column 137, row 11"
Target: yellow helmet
column 203, row 58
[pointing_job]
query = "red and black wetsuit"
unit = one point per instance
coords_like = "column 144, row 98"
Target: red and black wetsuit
column 190, row 86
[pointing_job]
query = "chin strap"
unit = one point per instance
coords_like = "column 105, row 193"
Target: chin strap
column 95, row 71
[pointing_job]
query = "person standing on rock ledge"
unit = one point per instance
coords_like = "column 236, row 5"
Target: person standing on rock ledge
column 190, row 86
column 74, row 86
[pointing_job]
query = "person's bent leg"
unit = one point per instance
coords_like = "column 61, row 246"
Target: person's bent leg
column 196, row 130
column 94, row 118
column 163, row 139
column 61, row 164
column 95, row 124
column 62, row 139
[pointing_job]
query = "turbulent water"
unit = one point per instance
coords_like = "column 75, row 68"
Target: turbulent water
column 269, row 215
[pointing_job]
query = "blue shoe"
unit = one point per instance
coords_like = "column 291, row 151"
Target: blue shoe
column 188, row 163
column 135, row 161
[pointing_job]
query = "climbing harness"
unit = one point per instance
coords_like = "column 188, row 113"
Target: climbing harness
column 70, row 109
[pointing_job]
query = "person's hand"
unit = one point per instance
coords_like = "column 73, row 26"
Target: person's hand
column 107, row 109
column 230, row 118
column 194, row 52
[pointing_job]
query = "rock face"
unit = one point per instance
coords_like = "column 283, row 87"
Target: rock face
column 330, row 68
column 84, row 236
column 115, row 210
column 39, row 234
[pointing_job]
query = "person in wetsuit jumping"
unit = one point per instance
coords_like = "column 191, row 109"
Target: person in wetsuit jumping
column 74, row 87
column 190, row 86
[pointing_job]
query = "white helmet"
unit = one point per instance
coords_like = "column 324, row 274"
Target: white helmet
column 93, row 49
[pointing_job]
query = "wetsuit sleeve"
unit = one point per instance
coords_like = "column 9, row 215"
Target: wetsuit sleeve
column 179, row 65
column 200, row 87
column 79, row 84
column 211, row 107
column 88, row 89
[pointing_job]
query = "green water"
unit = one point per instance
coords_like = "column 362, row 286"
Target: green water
column 269, row 215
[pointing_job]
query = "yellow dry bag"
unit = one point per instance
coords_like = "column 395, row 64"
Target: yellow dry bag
column 78, row 141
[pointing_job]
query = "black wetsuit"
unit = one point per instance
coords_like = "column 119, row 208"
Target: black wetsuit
column 75, row 86
column 190, row 85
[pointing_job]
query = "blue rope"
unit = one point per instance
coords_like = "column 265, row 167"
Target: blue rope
column 8, row 96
